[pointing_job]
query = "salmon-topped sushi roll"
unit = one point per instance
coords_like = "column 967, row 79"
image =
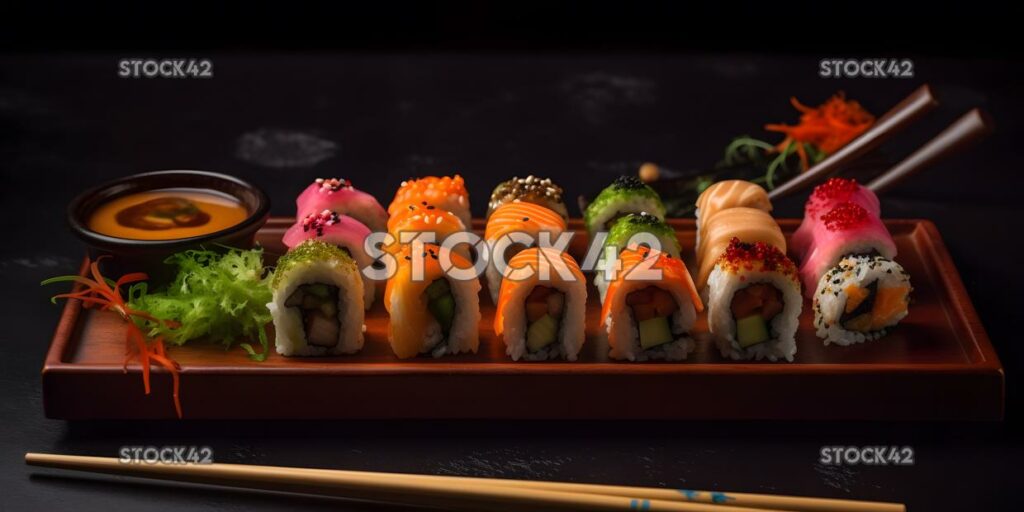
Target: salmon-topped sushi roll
column 542, row 307
column 446, row 193
column 509, row 218
column 433, row 313
column 650, row 307
column 749, row 225
column 727, row 194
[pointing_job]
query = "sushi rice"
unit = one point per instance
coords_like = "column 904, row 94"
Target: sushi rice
column 311, row 263
column 723, row 284
column 830, row 297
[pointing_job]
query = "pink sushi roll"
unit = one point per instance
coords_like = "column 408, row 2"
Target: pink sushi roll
column 338, row 195
column 825, row 197
column 846, row 229
column 342, row 231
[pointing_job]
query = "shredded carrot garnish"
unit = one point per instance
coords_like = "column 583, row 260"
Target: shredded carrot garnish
column 828, row 127
column 98, row 292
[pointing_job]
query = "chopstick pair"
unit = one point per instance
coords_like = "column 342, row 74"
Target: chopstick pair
column 452, row 492
column 968, row 129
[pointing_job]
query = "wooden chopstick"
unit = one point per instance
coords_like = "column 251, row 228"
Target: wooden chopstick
column 968, row 129
column 455, row 492
column 920, row 102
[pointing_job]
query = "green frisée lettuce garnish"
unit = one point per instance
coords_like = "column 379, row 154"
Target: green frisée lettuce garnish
column 220, row 297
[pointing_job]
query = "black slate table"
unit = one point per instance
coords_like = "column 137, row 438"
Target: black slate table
column 68, row 122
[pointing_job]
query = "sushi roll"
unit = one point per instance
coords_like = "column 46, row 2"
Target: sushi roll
column 426, row 218
column 343, row 232
column 317, row 305
column 729, row 194
column 627, row 194
column 435, row 315
column 531, row 189
column 648, row 318
column 749, row 225
column 539, row 318
column 860, row 299
column 338, row 195
column 826, row 197
column 754, row 302
column 844, row 230
column 623, row 234
column 529, row 218
column 446, row 193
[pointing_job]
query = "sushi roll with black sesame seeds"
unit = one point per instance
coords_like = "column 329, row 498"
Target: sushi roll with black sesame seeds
column 860, row 299
column 431, row 310
column 627, row 194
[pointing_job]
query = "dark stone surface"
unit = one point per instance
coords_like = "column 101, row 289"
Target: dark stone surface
column 69, row 122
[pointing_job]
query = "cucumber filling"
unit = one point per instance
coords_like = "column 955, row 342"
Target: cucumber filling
column 652, row 310
column 753, row 309
column 441, row 304
column 544, row 308
column 318, row 305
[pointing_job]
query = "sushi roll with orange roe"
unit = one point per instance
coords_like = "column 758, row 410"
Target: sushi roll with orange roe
column 446, row 193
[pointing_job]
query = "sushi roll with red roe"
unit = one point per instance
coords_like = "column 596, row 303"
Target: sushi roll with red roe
column 754, row 302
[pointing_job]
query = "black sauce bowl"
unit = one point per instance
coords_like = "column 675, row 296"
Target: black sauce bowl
column 148, row 256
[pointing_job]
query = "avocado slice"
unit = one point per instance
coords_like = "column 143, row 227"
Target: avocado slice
column 443, row 309
column 438, row 288
column 751, row 330
column 654, row 331
column 541, row 333
column 319, row 290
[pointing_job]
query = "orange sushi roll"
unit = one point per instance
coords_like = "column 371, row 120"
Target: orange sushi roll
column 434, row 315
column 447, row 193
column 542, row 316
column 528, row 218
column 650, row 318
column 426, row 218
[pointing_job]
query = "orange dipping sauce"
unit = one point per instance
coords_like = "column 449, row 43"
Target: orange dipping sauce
column 167, row 214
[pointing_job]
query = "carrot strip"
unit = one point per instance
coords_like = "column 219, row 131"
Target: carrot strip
column 828, row 126
column 97, row 292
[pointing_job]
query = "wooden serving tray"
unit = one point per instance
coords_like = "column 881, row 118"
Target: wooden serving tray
column 937, row 365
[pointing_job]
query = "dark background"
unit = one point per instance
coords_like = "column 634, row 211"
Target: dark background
column 578, row 93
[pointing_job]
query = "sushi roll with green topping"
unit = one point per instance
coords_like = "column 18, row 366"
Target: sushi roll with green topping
column 632, row 229
column 625, row 195
column 317, row 302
